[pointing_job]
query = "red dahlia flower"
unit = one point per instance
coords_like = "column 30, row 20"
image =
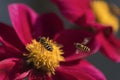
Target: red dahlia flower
column 80, row 12
column 25, row 53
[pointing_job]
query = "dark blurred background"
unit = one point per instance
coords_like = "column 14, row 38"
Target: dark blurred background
column 109, row 68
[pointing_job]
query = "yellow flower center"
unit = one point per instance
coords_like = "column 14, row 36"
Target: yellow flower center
column 44, row 54
column 104, row 15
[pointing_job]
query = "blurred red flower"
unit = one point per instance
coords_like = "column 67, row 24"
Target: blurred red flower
column 18, row 60
column 80, row 13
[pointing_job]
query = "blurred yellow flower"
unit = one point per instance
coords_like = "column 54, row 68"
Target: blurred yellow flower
column 104, row 15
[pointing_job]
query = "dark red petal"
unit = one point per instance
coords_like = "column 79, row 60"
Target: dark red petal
column 91, row 70
column 7, row 50
column 26, row 23
column 22, row 75
column 76, row 10
column 114, row 41
column 67, row 38
column 82, row 71
column 39, row 78
column 51, row 24
column 65, row 74
column 34, row 75
column 6, row 68
column 22, row 19
column 9, row 35
column 108, row 48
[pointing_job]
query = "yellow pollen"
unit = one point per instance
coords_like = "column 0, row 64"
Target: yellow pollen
column 42, row 57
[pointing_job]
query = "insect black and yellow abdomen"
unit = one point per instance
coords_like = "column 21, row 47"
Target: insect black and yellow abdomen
column 82, row 47
column 48, row 46
column 45, row 44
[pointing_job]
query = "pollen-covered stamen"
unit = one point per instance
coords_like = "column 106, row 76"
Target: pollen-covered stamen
column 45, row 55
